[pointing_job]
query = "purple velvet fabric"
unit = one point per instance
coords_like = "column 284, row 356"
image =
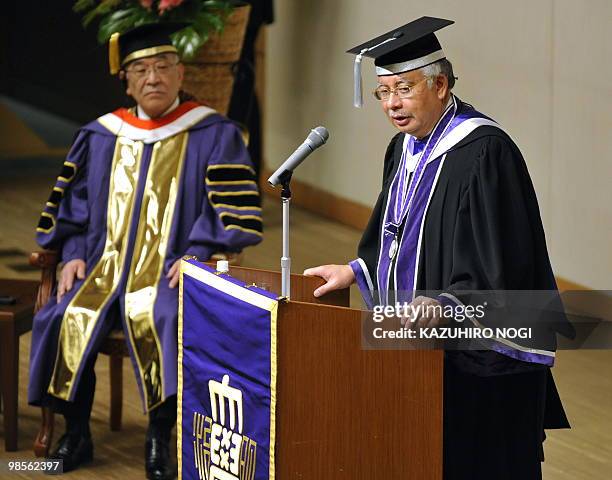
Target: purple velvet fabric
column 80, row 233
column 362, row 282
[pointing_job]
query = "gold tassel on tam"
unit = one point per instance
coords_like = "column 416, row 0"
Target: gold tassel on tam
column 113, row 53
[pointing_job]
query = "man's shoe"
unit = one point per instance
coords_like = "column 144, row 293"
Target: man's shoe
column 157, row 457
column 73, row 450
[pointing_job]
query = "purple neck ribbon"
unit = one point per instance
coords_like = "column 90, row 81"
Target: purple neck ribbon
column 403, row 197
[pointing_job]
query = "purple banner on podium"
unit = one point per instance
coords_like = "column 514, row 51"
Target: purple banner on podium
column 226, row 377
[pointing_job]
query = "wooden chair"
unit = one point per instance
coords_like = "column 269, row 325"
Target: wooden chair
column 114, row 346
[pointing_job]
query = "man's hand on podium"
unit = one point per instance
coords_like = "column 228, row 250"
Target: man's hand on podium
column 335, row 276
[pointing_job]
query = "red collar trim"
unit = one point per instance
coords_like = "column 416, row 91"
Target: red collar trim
column 125, row 115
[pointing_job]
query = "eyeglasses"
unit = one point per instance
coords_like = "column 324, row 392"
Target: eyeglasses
column 161, row 68
column 383, row 92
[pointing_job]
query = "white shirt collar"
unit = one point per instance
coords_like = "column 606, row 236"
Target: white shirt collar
column 143, row 116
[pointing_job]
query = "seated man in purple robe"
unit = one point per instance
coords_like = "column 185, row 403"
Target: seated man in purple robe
column 457, row 213
column 140, row 188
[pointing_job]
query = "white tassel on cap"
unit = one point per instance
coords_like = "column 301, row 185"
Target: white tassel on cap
column 358, row 90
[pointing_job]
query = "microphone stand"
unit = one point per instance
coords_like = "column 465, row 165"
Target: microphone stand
column 285, row 179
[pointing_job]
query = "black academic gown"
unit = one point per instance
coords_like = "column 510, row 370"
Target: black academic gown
column 483, row 231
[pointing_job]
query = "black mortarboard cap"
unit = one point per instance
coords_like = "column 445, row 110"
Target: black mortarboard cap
column 402, row 49
column 139, row 42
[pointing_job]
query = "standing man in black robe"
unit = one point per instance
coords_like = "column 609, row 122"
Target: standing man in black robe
column 457, row 212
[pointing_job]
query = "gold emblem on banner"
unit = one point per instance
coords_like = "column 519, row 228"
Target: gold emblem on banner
column 221, row 451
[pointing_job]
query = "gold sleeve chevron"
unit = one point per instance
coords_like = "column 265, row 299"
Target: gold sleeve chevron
column 245, row 223
column 230, row 174
column 232, row 192
column 235, row 200
column 46, row 224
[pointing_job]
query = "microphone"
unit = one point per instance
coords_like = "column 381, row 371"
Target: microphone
column 317, row 137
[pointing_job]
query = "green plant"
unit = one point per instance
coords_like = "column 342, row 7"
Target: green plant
column 203, row 18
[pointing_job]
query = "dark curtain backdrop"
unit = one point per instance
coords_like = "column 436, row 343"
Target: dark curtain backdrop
column 245, row 106
column 51, row 62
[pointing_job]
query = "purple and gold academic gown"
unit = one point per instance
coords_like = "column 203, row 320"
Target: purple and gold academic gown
column 133, row 197
column 457, row 212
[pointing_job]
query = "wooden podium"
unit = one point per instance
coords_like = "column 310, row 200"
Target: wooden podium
column 344, row 412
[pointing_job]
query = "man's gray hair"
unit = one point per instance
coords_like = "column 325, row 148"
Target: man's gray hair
column 441, row 67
